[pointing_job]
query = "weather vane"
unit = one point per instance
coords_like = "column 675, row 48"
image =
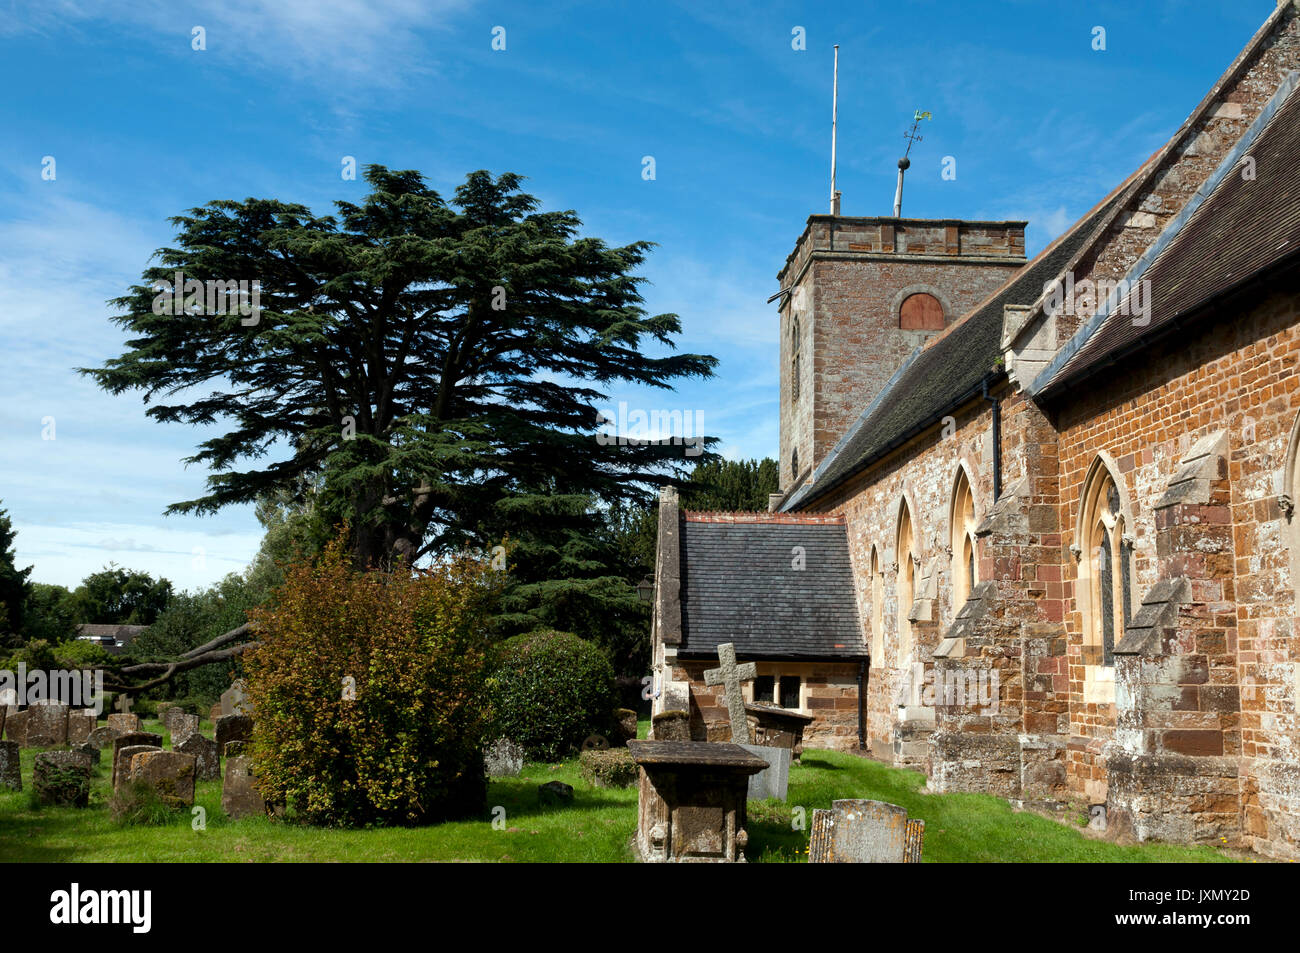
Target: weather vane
column 904, row 163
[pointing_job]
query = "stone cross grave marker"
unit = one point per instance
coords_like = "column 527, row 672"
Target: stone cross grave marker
column 123, row 704
column 730, row 675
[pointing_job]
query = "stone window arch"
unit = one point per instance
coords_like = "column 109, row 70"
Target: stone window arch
column 795, row 340
column 1104, row 549
column 877, row 608
column 905, row 581
column 961, row 540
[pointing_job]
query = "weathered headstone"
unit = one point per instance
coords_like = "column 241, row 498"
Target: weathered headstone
column 81, row 722
column 129, row 739
column 122, row 763
column 624, row 727
column 62, row 777
column 234, row 700
column 504, row 759
column 730, row 676
column 862, row 831
column 233, row 728
column 123, row 704
column 47, row 725
column 4, row 713
column 237, row 749
column 239, row 796
column 214, row 713
column 124, row 722
column 11, row 775
column 89, row 750
column 169, row 773
column 691, row 801
column 103, row 736
column 16, row 727
column 774, row 780
column 182, row 725
column 207, row 763
column 672, row 725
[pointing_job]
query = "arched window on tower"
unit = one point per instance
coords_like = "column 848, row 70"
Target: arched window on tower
column 795, row 340
column 1105, row 566
column 965, row 567
column 921, row 312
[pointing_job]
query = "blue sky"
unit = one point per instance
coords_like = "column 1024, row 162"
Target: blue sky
column 141, row 126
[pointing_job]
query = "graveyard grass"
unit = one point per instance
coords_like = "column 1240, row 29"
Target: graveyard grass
column 597, row 827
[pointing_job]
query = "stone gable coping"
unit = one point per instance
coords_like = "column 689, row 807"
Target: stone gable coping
column 976, row 608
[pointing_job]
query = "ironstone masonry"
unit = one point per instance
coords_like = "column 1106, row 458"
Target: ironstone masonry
column 1097, row 509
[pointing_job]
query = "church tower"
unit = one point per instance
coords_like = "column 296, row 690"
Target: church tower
column 858, row 295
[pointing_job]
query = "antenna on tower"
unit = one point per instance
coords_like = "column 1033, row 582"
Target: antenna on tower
column 905, row 163
column 835, row 108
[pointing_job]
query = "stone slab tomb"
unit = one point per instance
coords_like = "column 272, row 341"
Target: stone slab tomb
column 691, row 801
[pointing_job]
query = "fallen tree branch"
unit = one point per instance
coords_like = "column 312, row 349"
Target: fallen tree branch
column 171, row 669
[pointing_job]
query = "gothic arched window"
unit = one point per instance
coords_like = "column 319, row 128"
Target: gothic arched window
column 905, row 582
column 1105, row 566
column 877, row 609
column 965, row 568
column 921, row 312
column 795, row 340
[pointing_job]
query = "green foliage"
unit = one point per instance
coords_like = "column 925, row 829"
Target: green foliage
column 434, row 365
column 741, row 486
column 14, row 587
column 75, row 653
column 51, row 613
column 610, row 768
column 117, row 596
column 550, row 691
column 369, row 691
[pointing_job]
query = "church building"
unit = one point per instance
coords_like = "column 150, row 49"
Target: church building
column 1036, row 534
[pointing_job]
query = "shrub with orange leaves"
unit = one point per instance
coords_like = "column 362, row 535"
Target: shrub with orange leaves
column 368, row 691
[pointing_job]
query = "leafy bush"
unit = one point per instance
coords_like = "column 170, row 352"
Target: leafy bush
column 549, row 691
column 78, row 654
column 611, row 768
column 368, row 688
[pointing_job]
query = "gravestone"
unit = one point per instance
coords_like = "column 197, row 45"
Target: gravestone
column 214, row 713
column 122, row 763
column 4, row 713
column 778, row 727
column 103, row 736
column 774, row 780
column 47, row 725
column 81, row 722
column 11, row 775
column 182, row 725
column 16, row 727
column 862, row 831
column 555, row 793
column 624, row 726
column 237, row 749
column 127, row 739
column 89, row 750
column 124, row 722
column 691, row 801
column 122, row 704
column 239, row 796
column 207, row 762
column 233, row 728
column 169, row 773
column 730, row 676
column 504, row 759
column 234, row 700
column 62, row 777
column 671, row 725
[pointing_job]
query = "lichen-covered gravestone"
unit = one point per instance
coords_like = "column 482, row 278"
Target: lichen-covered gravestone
column 169, row 773
column 504, row 759
column 239, row 795
column 81, row 722
column 16, row 728
column 207, row 762
column 233, row 728
column 47, row 725
column 731, row 676
column 234, row 700
column 130, row 739
column 181, row 725
column 124, row 722
column 103, row 737
column 62, row 777
column 90, row 751
column 122, row 763
column 862, row 831
column 11, row 775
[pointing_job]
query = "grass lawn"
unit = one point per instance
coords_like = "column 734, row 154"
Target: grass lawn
column 597, row 827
